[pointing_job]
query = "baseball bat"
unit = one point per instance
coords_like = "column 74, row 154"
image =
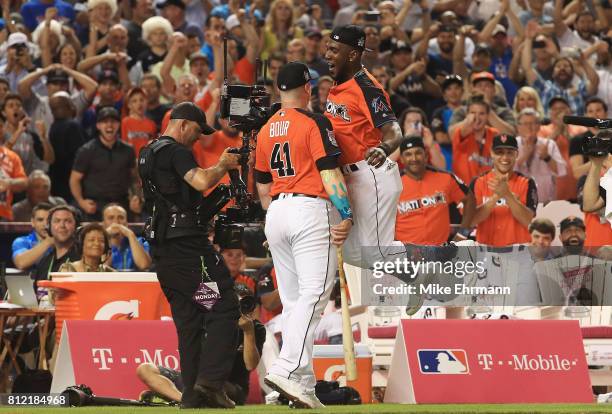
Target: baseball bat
column 347, row 329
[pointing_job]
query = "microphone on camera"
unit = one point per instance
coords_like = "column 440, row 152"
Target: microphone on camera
column 588, row 122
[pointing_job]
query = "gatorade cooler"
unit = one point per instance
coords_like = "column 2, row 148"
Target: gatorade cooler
column 328, row 362
column 106, row 296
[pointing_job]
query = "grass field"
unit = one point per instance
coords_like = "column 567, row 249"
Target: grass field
column 373, row 408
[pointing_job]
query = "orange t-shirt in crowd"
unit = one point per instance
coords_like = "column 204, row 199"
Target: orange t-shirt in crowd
column 245, row 71
column 10, row 167
column 137, row 132
column 208, row 155
column 471, row 159
column 422, row 210
column 501, row 228
column 357, row 109
column 288, row 148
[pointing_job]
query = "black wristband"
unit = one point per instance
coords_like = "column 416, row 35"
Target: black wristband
column 385, row 148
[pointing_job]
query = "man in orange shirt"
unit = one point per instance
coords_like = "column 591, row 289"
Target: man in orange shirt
column 367, row 132
column 422, row 211
column 299, row 183
column 505, row 201
column 472, row 141
column 592, row 197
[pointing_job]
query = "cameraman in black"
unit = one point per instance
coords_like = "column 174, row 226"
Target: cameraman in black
column 185, row 261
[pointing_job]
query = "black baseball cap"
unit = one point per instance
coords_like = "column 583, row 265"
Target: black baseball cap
column 450, row 79
column 177, row 3
column 557, row 98
column 400, row 46
column 191, row 112
column 57, row 76
column 351, row 35
column 505, row 141
column 571, row 221
column 313, row 32
column 107, row 112
column 482, row 48
column 292, row 75
column 447, row 28
column 411, row 141
column 108, row 74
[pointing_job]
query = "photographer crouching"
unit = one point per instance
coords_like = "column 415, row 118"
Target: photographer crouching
column 166, row 383
column 193, row 276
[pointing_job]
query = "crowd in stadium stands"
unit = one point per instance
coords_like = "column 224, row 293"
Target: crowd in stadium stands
column 480, row 89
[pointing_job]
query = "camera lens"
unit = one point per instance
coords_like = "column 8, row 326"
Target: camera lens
column 247, row 304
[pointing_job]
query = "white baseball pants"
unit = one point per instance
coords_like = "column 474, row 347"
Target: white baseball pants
column 373, row 193
column 298, row 231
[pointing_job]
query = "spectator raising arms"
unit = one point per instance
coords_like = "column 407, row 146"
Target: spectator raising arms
column 563, row 81
column 472, row 141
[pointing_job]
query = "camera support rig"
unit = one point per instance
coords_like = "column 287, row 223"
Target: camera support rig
column 247, row 109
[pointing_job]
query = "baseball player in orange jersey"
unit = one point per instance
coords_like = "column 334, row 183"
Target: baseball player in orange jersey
column 299, row 183
column 367, row 132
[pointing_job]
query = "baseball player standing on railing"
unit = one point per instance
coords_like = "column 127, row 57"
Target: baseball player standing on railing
column 299, row 183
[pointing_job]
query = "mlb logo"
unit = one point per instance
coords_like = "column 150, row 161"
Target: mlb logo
column 443, row 361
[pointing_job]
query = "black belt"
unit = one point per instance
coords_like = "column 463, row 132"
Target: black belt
column 349, row 168
column 505, row 249
column 289, row 195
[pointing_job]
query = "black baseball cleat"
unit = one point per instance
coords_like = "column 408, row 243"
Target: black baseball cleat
column 214, row 398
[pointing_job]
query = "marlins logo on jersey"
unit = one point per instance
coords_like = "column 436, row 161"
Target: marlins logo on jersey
column 443, row 361
column 378, row 105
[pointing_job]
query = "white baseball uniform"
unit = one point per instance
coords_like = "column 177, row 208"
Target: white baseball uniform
column 290, row 147
column 357, row 109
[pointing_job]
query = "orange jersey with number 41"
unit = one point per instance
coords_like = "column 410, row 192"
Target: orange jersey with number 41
column 289, row 146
